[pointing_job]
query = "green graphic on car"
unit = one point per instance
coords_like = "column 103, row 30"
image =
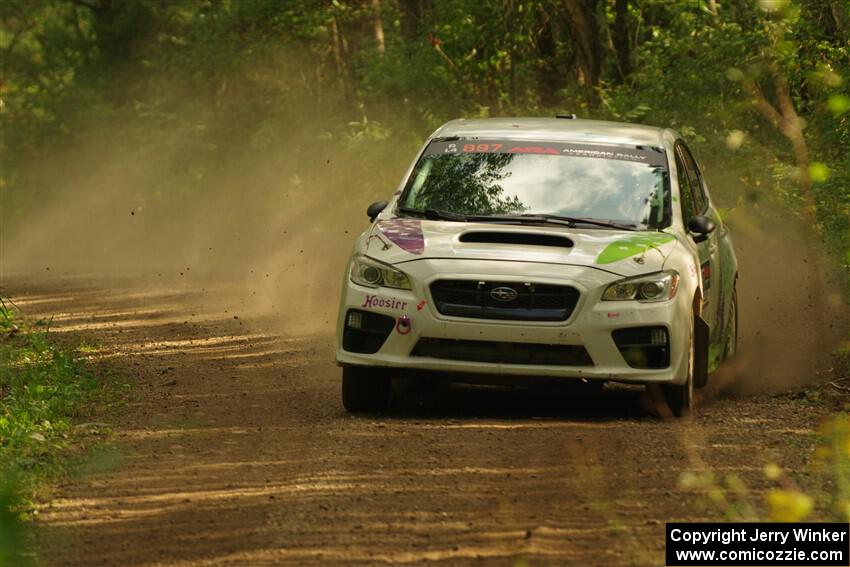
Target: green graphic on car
column 632, row 246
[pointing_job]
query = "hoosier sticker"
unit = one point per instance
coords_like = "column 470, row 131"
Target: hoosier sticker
column 373, row 301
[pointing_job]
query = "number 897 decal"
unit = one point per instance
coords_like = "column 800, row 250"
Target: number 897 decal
column 651, row 156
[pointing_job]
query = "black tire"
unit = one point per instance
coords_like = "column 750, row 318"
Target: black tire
column 680, row 397
column 732, row 339
column 592, row 387
column 365, row 389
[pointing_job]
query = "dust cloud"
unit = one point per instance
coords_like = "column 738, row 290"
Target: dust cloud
column 791, row 295
column 273, row 227
column 276, row 226
column 792, row 307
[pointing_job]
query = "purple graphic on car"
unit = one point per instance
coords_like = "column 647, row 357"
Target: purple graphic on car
column 406, row 233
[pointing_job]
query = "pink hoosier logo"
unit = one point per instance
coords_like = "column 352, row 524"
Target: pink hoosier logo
column 373, row 301
column 405, row 233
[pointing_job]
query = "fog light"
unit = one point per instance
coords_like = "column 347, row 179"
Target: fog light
column 355, row 319
column 643, row 347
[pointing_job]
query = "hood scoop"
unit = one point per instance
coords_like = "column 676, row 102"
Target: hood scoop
column 523, row 238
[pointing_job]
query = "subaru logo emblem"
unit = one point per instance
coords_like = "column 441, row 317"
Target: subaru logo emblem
column 503, row 293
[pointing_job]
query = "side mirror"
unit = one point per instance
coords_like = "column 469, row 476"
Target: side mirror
column 700, row 227
column 375, row 209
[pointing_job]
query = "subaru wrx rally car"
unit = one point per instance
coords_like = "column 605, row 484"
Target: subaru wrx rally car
column 542, row 247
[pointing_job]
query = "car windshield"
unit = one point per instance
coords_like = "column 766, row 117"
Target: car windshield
column 624, row 185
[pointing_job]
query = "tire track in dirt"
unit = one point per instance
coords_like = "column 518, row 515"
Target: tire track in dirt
column 235, row 450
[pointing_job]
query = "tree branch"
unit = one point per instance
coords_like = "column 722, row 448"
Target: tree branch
column 762, row 104
column 784, row 118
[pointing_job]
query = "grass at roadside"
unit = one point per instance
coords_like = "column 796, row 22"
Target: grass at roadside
column 817, row 491
column 43, row 388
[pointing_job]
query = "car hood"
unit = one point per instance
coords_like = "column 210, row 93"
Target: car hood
column 626, row 253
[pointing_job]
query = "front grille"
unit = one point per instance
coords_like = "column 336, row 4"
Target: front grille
column 503, row 352
column 531, row 302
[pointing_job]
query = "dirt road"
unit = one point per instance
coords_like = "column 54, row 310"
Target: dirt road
column 235, row 450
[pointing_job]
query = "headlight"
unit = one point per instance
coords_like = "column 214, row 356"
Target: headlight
column 374, row 274
column 654, row 287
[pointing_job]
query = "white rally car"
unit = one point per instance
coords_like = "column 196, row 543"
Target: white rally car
column 541, row 247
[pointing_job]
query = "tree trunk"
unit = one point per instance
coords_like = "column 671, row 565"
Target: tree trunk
column 119, row 29
column 621, row 39
column 341, row 61
column 511, row 53
column 413, row 13
column 378, row 25
column 584, row 31
column 550, row 76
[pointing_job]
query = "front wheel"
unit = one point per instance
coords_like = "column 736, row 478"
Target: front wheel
column 680, row 397
column 365, row 389
column 732, row 337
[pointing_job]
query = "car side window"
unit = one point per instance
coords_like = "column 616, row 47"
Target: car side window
column 697, row 188
column 685, row 195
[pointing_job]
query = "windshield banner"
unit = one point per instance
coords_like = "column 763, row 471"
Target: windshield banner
column 648, row 156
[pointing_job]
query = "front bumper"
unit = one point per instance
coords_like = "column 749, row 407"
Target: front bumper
column 590, row 325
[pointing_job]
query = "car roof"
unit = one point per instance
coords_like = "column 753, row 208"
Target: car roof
column 554, row 129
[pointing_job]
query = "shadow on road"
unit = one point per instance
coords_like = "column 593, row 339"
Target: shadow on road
column 457, row 400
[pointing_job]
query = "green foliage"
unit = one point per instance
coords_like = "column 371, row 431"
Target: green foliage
column 12, row 530
column 832, row 457
column 42, row 387
column 692, row 75
column 222, row 84
column 785, row 500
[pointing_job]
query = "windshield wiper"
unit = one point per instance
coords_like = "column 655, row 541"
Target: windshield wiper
column 440, row 214
column 435, row 214
column 583, row 220
column 552, row 219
